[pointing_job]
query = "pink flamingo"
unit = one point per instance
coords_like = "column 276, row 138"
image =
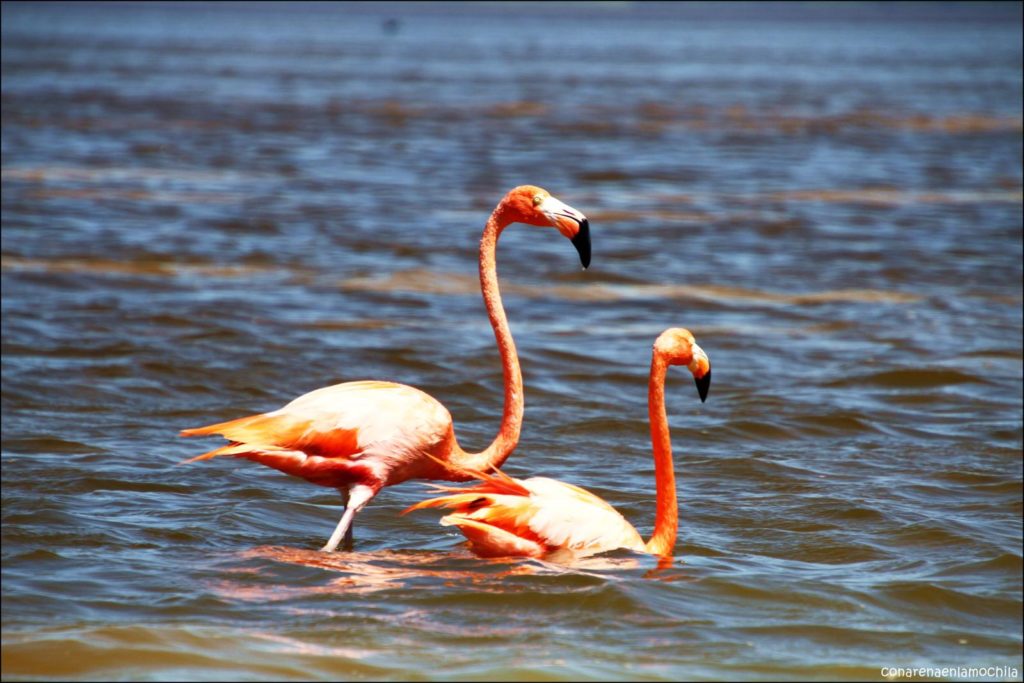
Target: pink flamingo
column 538, row 517
column 359, row 437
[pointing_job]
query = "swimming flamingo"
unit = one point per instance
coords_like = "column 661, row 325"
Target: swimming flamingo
column 538, row 517
column 359, row 437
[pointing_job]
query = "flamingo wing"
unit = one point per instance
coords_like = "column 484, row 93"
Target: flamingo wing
column 371, row 432
column 503, row 516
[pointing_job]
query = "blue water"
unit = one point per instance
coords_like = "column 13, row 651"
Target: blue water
column 209, row 210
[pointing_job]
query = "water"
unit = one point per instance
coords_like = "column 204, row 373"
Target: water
column 208, row 211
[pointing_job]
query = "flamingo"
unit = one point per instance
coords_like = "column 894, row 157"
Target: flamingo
column 361, row 436
column 539, row 517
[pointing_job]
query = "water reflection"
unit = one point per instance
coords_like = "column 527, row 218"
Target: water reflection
column 374, row 571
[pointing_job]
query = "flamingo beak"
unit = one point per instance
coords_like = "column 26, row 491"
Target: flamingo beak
column 703, row 384
column 582, row 243
column 700, row 366
column 570, row 223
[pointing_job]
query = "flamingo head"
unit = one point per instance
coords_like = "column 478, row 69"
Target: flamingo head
column 535, row 206
column 678, row 347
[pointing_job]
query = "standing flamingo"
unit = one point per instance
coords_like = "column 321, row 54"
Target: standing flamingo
column 359, row 437
column 537, row 517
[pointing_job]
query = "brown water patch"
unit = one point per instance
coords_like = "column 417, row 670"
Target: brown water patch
column 104, row 174
column 829, row 326
column 516, row 109
column 365, row 324
column 392, row 112
column 430, row 282
column 622, row 216
column 610, row 175
column 657, row 116
column 828, row 296
column 149, row 268
column 48, row 444
column 910, row 378
column 894, row 197
column 161, row 196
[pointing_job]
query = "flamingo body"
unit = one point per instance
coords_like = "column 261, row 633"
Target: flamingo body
column 357, row 433
column 533, row 517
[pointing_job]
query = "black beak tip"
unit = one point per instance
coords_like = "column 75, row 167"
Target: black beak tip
column 582, row 243
column 703, row 384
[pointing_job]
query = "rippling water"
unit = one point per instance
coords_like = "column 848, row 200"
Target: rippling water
column 209, row 211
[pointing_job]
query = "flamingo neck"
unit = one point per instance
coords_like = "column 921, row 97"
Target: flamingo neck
column 512, row 415
column 666, row 519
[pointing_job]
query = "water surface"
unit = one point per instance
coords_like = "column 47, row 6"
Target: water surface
column 208, row 211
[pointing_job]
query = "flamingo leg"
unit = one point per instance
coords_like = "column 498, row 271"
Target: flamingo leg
column 346, row 542
column 356, row 499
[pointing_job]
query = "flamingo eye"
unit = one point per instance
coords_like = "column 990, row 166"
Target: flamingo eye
column 537, row 199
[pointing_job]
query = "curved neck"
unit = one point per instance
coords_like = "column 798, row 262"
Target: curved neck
column 666, row 519
column 512, row 415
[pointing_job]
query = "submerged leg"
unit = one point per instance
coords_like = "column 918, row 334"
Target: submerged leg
column 346, row 542
column 358, row 497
